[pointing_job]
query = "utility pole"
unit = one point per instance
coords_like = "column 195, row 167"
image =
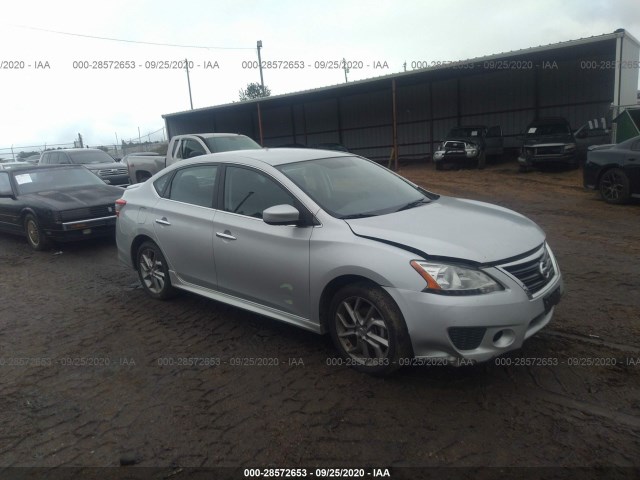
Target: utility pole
column 140, row 139
column 259, row 45
column 117, row 143
column 346, row 70
column 186, row 64
column 80, row 141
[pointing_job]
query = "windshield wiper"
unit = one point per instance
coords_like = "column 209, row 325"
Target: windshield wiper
column 413, row 204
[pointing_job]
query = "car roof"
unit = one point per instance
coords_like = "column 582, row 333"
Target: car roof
column 31, row 167
column 274, row 157
column 211, row 135
column 75, row 150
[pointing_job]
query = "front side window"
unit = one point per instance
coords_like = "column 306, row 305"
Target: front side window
column 248, row 192
column 194, row 185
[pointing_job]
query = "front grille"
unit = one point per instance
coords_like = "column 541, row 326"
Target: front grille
column 112, row 171
column 87, row 213
column 466, row 338
column 534, row 274
column 552, row 150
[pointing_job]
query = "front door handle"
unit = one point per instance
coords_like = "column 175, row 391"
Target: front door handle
column 163, row 221
column 226, row 235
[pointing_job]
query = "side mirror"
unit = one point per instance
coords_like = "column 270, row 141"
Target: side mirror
column 281, row 215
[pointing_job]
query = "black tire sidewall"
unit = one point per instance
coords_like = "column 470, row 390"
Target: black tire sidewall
column 399, row 343
column 625, row 194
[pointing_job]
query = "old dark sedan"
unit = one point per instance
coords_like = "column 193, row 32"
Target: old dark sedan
column 56, row 203
column 614, row 170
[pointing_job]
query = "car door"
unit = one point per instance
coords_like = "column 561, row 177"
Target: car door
column 494, row 141
column 9, row 206
column 183, row 223
column 631, row 164
column 266, row 264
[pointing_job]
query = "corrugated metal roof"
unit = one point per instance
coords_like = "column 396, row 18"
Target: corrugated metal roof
column 541, row 48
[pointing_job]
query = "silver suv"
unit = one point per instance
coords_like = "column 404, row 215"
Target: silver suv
column 332, row 242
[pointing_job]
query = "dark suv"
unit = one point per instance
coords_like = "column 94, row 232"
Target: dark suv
column 548, row 141
column 96, row 160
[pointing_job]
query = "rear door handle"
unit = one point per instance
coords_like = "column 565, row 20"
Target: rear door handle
column 226, row 235
column 163, row 221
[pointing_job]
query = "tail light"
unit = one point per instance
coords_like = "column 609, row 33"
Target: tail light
column 121, row 202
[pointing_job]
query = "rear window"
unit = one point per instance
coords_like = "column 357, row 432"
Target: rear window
column 90, row 156
column 228, row 144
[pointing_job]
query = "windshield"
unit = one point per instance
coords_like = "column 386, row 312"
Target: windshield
column 90, row 156
column 47, row 179
column 228, row 144
column 465, row 132
column 549, row 129
column 352, row 187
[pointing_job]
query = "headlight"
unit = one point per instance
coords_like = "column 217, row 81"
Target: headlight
column 454, row 280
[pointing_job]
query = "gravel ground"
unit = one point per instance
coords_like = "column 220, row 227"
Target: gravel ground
column 92, row 371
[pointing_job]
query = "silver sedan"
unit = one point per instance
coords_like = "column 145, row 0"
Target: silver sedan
column 332, row 242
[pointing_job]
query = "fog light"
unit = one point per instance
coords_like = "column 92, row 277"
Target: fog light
column 504, row 338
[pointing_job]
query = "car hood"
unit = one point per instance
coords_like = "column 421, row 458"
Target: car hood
column 455, row 228
column 75, row 198
column 103, row 166
column 549, row 139
column 474, row 140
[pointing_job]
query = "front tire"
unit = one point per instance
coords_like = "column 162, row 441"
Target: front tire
column 368, row 329
column 153, row 272
column 482, row 160
column 614, row 186
column 35, row 236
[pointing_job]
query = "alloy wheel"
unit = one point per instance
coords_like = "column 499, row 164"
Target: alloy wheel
column 152, row 271
column 361, row 330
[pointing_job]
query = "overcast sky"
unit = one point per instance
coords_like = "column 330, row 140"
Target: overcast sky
column 52, row 105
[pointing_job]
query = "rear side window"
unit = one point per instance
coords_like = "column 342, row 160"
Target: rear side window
column 194, row 185
column 5, row 185
column 161, row 183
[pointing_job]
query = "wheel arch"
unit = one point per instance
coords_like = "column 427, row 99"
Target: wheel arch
column 605, row 169
column 135, row 245
column 329, row 292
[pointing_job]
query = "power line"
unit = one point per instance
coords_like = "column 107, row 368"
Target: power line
column 132, row 41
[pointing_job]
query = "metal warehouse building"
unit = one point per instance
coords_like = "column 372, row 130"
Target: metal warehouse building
column 410, row 112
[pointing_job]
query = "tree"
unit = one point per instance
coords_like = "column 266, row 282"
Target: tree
column 22, row 155
column 254, row 90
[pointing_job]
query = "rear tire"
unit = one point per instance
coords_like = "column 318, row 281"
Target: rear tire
column 438, row 165
column 614, row 186
column 153, row 272
column 35, row 236
column 368, row 329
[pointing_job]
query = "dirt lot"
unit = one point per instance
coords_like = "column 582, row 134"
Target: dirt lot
column 91, row 369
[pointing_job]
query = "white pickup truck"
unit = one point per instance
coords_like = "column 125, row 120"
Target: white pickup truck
column 143, row 167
